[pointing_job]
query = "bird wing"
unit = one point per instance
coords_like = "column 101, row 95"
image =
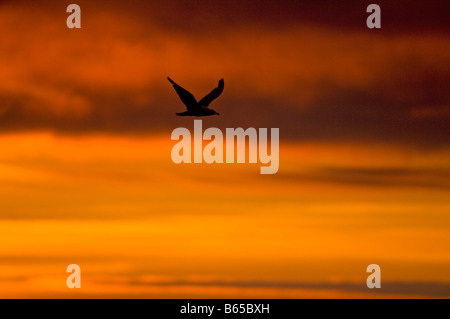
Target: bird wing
column 185, row 96
column 214, row 94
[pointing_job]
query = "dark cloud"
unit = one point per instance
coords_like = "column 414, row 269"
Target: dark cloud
column 110, row 77
column 429, row 289
column 339, row 114
column 384, row 177
column 199, row 16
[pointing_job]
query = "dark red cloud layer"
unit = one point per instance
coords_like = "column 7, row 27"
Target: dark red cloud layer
column 311, row 68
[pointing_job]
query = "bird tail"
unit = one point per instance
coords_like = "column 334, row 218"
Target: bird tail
column 170, row 80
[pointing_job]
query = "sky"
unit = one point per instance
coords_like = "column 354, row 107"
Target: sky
column 86, row 175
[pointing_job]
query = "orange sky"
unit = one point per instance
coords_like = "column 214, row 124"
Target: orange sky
column 86, row 175
column 130, row 218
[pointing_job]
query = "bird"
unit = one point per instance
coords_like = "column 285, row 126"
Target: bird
column 199, row 108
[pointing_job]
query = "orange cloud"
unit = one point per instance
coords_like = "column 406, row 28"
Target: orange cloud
column 130, row 217
column 117, row 205
column 56, row 67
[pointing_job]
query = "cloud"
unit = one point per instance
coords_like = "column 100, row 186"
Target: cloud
column 363, row 117
column 314, row 81
column 401, row 289
column 378, row 177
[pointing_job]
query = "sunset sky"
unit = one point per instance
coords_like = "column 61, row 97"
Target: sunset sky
column 86, row 175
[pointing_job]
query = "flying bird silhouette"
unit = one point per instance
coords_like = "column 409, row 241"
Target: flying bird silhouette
column 199, row 108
